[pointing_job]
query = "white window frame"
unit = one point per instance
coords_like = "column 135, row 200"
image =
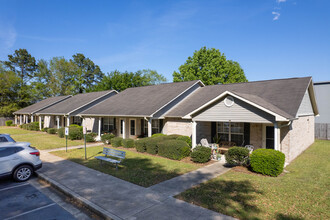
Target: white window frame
column 109, row 123
column 155, row 127
column 130, row 128
column 74, row 120
column 229, row 133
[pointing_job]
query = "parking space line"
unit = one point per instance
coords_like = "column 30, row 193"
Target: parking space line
column 24, row 184
column 24, row 213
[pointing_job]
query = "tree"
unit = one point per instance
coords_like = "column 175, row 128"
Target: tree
column 120, row 81
column 211, row 67
column 86, row 73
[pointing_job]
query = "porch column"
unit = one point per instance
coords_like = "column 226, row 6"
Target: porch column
column 15, row 119
column 99, row 128
column 32, row 119
column 193, row 134
column 40, row 126
column 20, row 119
column 68, row 121
column 24, row 119
column 124, row 128
column 277, row 135
column 149, row 127
column 58, row 121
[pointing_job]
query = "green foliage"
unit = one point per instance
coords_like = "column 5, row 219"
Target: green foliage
column 186, row 139
column 117, row 142
column 9, row 122
column 152, row 144
column 128, row 143
column 75, row 133
column 267, row 162
column 90, row 137
column 51, row 130
column 173, row 149
column 122, row 80
column 106, row 138
column 237, row 156
column 44, row 129
column 61, row 132
column 201, row 154
column 140, row 145
column 158, row 135
column 211, row 67
column 33, row 126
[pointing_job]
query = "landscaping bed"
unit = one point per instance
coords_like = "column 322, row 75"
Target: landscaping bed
column 300, row 193
column 138, row 168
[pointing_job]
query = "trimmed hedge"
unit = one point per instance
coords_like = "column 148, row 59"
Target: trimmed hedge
column 128, row 143
column 90, row 137
column 186, row 139
column 117, row 141
column 9, row 122
column 173, row 149
column 75, row 133
column 33, row 126
column 237, row 156
column 61, row 132
column 151, row 144
column 201, row 154
column 106, row 138
column 158, row 135
column 140, row 145
column 267, row 162
column 51, row 130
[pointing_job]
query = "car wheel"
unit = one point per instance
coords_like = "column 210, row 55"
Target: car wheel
column 23, row 173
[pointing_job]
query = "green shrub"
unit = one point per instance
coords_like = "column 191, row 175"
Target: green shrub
column 128, row 143
column 186, row 139
column 172, row 137
column 61, row 132
column 267, row 162
column 173, row 149
column 51, row 130
column 106, row 138
column 117, row 141
column 44, row 129
column 140, row 145
column 9, row 122
column 201, row 154
column 90, row 137
column 237, row 156
column 74, row 125
column 75, row 133
column 151, row 144
column 158, row 135
column 13, row 125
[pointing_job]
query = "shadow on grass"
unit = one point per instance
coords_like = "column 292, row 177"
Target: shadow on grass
column 234, row 198
column 287, row 217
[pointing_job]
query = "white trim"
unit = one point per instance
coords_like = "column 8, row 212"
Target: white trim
column 177, row 97
column 149, row 127
column 277, row 116
column 106, row 115
column 193, row 134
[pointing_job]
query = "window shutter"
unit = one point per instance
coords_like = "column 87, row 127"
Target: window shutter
column 142, row 126
column 213, row 130
column 161, row 122
column 114, row 123
column 246, row 133
column 102, row 125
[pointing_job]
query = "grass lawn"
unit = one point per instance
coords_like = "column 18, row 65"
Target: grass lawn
column 303, row 193
column 141, row 169
column 40, row 140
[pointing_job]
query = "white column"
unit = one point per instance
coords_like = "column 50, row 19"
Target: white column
column 99, row 128
column 40, row 123
column 15, row 119
column 150, row 127
column 68, row 121
column 20, row 120
column 58, row 121
column 124, row 128
column 277, row 135
column 32, row 119
column 193, row 134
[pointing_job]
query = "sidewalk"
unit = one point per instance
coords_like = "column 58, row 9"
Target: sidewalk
column 115, row 198
column 74, row 147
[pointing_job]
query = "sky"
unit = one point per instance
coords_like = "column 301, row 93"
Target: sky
column 270, row 39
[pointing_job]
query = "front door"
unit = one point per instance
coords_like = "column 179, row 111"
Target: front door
column 270, row 137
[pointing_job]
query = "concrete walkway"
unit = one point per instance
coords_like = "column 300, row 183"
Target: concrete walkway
column 114, row 198
column 181, row 183
column 74, row 147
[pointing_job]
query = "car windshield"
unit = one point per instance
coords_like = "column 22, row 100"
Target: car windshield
column 6, row 139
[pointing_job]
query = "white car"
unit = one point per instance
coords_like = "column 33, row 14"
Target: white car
column 19, row 160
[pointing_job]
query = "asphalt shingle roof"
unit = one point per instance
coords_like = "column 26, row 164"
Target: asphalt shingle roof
column 41, row 105
column 74, row 103
column 139, row 101
column 282, row 96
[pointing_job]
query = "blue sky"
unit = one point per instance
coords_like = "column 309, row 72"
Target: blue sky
column 269, row 38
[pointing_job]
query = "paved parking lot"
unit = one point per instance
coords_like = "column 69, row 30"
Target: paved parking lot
column 24, row 201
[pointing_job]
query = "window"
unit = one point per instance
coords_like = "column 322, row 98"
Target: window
column 121, row 126
column 108, row 124
column 132, row 127
column 7, row 151
column 3, row 139
column 231, row 131
column 146, row 128
column 76, row 120
column 155, row 126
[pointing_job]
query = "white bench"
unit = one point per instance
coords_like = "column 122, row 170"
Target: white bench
column 108, row 152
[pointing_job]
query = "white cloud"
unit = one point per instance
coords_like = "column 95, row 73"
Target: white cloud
column 276, row 15
column 280, row 1
column 7, row 36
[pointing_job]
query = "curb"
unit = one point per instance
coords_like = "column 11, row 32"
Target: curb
column 79, row 199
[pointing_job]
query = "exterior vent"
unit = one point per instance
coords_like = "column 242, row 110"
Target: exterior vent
column 229, row 101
